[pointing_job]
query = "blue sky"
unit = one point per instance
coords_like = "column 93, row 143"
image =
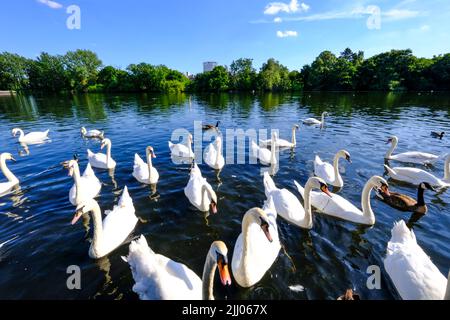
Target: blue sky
column 183, row 33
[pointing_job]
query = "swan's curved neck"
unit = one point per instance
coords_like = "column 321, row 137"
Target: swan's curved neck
column 272, row 150
column 8, row 174
column 98, row 228
column 308, row 212
column 337, row 174
column 76, row 178
column 391, row 149
column 219, row 150
column 108, row 154
column 21, row 133
column 293, row 140
column 209, row 270
column 245, row 244
column 447, row 170
column 149, row 164
column 365, row 203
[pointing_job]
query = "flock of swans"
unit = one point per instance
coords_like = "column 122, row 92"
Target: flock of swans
column 257, row 247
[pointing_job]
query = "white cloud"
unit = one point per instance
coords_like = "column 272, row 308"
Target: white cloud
column 425, row 28
column 304, row 7
column 400, row 14
column 277, row 7
column 287, row 33
column 51, row 4
column 277, row 20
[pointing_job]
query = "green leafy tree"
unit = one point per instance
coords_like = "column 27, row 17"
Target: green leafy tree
column 274, row 76
column 13, row 71
column 47, row 73
column 242, row 75
column 82, row 68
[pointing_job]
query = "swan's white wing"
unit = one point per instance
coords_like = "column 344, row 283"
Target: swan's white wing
column 311, row 121
column 336, row 206
column 417, row 174
column 36, row 136
column 90, row 187
column 181, row 150
column 261, row 253
column 415, row 157
column 97, row 160
column 157, row 277
column 288, row 206
column 324, row 170
column 140, row 169
column 193, row 190
column 210, row 155
column 410, row 269
column 282, row 143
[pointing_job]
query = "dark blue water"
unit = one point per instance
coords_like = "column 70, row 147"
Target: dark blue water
column 37, row 242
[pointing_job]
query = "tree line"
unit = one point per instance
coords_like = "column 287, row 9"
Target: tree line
column 83, row 71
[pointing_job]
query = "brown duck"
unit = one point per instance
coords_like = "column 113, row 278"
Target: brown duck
column 211, row 126
column 349, row 295
column 405, row 203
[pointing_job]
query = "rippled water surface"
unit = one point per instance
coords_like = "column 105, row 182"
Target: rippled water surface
column 37, row 242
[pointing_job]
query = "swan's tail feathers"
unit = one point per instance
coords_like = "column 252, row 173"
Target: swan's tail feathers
column 90, row 153
column 401, row 233
column 88, row 171
column 269, row 185
column 138, row 160
column 391, row 171
column 318, row 160
column 142, row 263
column 102, row 134
column 300, row 189
column 125, row 199
column 46, row 132
column 170, row 145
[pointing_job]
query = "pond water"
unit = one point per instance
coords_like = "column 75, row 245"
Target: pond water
column 38, row 243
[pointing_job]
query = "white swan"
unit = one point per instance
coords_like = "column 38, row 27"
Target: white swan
column 181, row 150
column 417, row 176
column 32, row 137
column 199, row 191
column 330, row 173
column 265, row 156
column 5, row 187
column 85, row 187
column 288, row 206
column 213, row 154
column 257, row 246
column 160, row 278
column 282, row 143
column 340, row 207
column 313, row 121
column 145, row 172
column 101, row 160
column 115, row 228
column 411, row 157
column 413, row 273
column 92, row 133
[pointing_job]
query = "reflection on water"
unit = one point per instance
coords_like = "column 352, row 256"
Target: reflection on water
column 37, row 242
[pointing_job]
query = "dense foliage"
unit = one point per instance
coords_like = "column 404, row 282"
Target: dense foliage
column 82, row 71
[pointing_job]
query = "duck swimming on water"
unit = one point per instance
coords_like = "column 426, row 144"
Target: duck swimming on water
column 405, row 203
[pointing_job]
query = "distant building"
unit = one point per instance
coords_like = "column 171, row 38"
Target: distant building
column 209, row 66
